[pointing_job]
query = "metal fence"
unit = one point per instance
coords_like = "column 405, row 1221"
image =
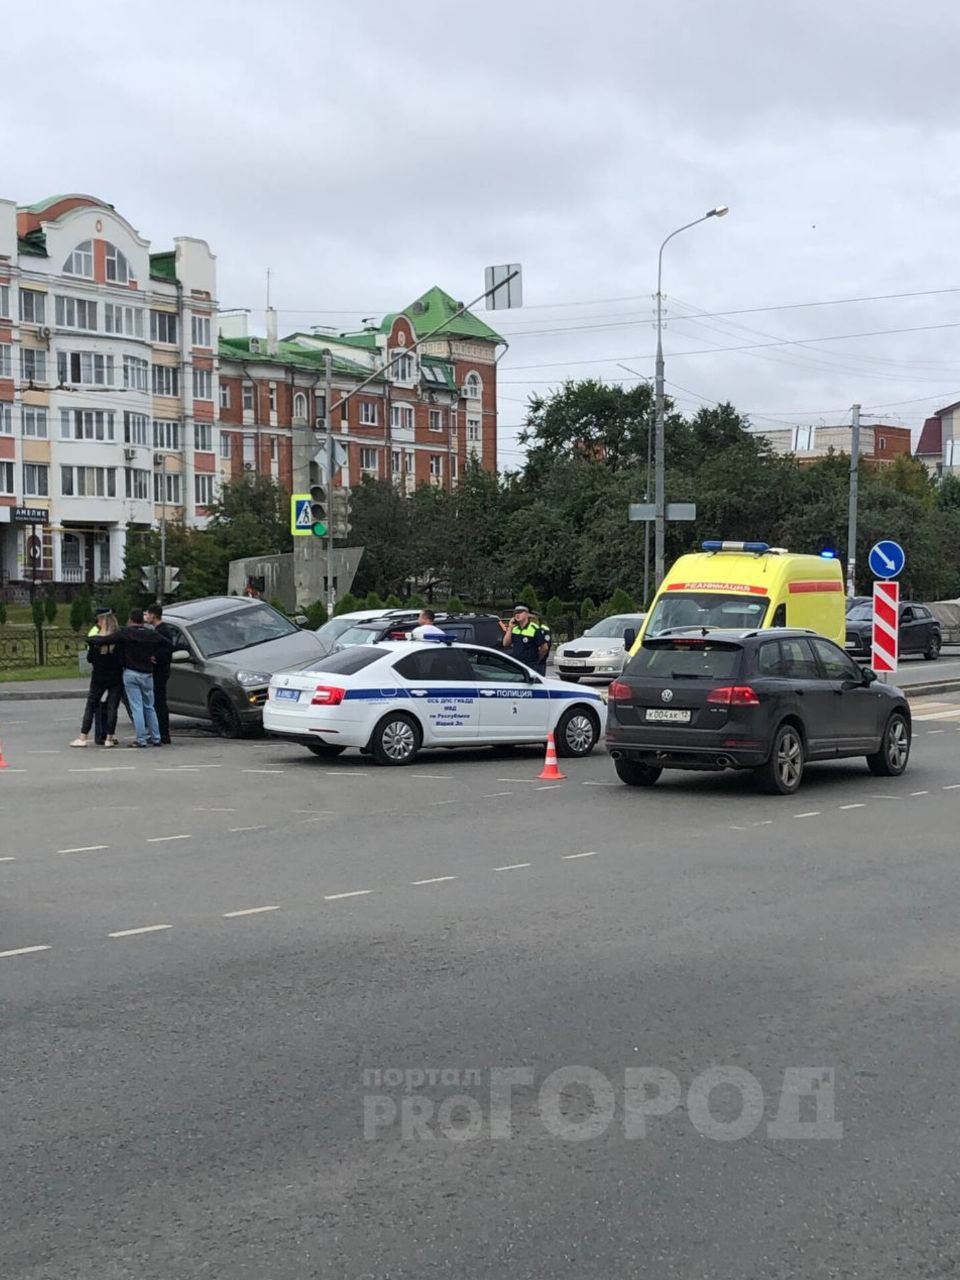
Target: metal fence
column 22, row 647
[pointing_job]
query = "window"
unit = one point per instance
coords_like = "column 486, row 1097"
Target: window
column 166, row 380
column 6, row 366
column 135, row 429
column 395, row 462
column 300, row 406
column 202, row 437
column 135, row 373
column 33, row 365
column 473, row 387
column 779, row 616
column 797, row 661
column 436, row 419
column 203, row 384
column 117, row 267
column 453, row 467
column 272, row 445
column 166, row 434
column 6, row 419
column 272, row 397
column 403, row 366
column 137, row 484
column 80, row 262
column 4, row 300
column 203, row 489
column 434, row 664
column 320, row 403
column 473, row 430
column 368, row 413
column 768, row 660
column 249, row 453
column 224, row 395
column 34, row 422
column 166, row 488
column 436, row 464
column 200, row 330
column 804, row 439
column 226, row 446
column 119, row 319
column 36, row 480
column 6, row 478
column 401, row 417
column 248, row 396
column 836, row 664
column 163, row 326
column 86, row 424
column 241, row 629
column 344, row 410
column 410, row 462
column 88, row 482
column 369, row 461
column 497, row 667
column 70, row 551
column 32, row 306
column 951, row 453
column 85, row 368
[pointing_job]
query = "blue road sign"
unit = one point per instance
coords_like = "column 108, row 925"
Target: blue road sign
column 887, row 559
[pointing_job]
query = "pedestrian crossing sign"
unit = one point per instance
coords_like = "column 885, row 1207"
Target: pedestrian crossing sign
column 301, row 521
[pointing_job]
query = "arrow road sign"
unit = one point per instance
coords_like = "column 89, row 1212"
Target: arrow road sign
column 887, row 559
column 301, row 521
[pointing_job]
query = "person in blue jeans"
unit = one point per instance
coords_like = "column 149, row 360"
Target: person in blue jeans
column 141, row 647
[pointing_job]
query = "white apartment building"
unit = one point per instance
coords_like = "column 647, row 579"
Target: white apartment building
column 108, row 388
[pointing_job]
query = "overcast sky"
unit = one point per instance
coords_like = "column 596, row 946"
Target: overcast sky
column 365, row 152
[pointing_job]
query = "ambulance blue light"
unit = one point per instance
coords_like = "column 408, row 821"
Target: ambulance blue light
column 754, row 548
column 828, row 555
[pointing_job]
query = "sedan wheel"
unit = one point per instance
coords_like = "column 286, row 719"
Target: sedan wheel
column 891, row 760
column 577, row 732
column 395, row 740
column 783, row 772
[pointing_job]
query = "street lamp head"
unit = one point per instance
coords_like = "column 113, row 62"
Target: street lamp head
column 720, row 211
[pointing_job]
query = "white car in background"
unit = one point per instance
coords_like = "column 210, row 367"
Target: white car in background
column 392, row 698
column 600, row 652
column 330, row 632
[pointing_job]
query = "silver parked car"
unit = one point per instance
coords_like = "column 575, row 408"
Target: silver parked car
column 226, row 648
column 599, row 652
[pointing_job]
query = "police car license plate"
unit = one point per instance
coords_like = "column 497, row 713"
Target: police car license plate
column 292, row 694
column 662, row 715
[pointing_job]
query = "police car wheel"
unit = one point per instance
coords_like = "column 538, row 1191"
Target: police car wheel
column 577, row 732
column 395, row 740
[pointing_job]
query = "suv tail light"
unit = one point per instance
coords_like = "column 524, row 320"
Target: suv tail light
column 734, row 695
column 327, row 695
column 619, row 692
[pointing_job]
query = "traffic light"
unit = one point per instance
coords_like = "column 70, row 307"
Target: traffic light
column 318, row 511
column 340, row 512
column 171, row 579
column 148, row 579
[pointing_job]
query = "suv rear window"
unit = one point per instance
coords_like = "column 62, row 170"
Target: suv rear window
column 345, row 662
column 679, row 659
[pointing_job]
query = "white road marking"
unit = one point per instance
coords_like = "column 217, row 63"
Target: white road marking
column 602, row 784
column 340, row 773
column 105, row 768
column 261, row 771
column 233, row 830
column 247, row 911
column 11, row 859
column 314, row 812
column 739, row 828
column 764, row 822
column 513, row 866
column 931, row 732
column 201, row 809
column 919, row 793
column 567, row 857
column 163, row 839
column 493, row 795
column 515, row 779
column 85, row 848
column 812, row 813
column 436, row 803
column 434, row 880
column 10, row 723
column 354, row 893
column 884, row 797
column 9, row 770
column 146, row 928
column 953, row 714
column 45, row 752
column 853, row 806
column 22, row 951
column 434, row 777
column 551, row 786
column 953, row 786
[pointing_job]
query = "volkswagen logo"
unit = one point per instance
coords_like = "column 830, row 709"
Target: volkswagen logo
column 667, row 695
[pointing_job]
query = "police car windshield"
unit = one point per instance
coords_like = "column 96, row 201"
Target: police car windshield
column 344, row 663
column 707, row 609
column 613, row 627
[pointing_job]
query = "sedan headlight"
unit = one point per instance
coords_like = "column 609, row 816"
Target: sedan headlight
column 250, row 678
column 605, row 653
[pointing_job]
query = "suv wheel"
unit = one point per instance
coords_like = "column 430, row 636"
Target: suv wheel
column 224, row 715
column 783, row 771
column 635, row 774
column 933, row 648
column 396, row 739
column 891, row 760
column 577, row 732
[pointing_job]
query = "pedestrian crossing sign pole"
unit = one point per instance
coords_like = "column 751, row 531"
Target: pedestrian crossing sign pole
column 301, row 521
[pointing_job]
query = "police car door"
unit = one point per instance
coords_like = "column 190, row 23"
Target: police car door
column 513, row 704
column 442, row 692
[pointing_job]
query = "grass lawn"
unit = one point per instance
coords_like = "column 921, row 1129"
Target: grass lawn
column 20, row 615
column 41, row 673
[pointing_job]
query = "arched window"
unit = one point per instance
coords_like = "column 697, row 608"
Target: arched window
column 300, row 405
column 117, row 267
column 473, row 387
column 80, row 262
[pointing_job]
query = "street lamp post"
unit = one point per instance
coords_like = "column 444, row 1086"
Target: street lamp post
column 660, row 521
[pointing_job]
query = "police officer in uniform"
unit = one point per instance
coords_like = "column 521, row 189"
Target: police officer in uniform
column 525, row 639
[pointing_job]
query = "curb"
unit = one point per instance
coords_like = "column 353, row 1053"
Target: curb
column 931, row 687
column 40, row 695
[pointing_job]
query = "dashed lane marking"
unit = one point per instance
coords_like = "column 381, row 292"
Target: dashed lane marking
column 85, row 848
column 247, row 911
column 764, row 822
column 46, row 751
column 568, row 857
column 261, row 771
column 164, row 839
column 354, row 893
column 145, row 928
column 494, row 795
column 853, row 806
column 8, row 859
column 434, row 880
column 343, row 773
column 919, row 793
column 953, row 786
column 513, row 866
column 812, row 813
column 436, row 803
column 234, row 830
column 22, row 951
column 9, row 770
column 433, row 777
column 553, row 786
column 202, row 809
column 602, row 784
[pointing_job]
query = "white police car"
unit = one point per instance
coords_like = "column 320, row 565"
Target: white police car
column 393, row 698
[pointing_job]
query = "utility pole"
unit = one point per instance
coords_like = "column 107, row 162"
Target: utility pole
column 328, row 401
column 852, row 511
column 162, row 572
column 304, row 447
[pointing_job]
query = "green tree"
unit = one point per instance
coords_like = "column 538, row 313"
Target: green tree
column 251, row 516
column 529, row 597
column 37, row 612
column 81, row 612
column 621, row 602
column 50, row 608
column 455, row 605
column 373, row 601
column 588, row 611
column 591, row 422
column 417, row 601
column 347, row 603
column 553, row 609
column 393, row 602
column 3, row 613
column 316, row 614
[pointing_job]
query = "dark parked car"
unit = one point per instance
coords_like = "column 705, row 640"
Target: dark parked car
column 919, row 630
column 226, row 648
column 768, row 700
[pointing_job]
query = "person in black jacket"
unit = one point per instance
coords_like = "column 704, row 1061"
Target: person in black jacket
column 161, row 671
column 140, row 648
column 106, row 679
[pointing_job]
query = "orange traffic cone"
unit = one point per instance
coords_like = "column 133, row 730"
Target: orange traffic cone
column 3, row 763
column 550, row 771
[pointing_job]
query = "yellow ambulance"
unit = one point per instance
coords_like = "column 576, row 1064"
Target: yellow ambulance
column 748, row 585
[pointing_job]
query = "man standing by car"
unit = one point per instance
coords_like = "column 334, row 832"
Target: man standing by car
column 525, row 639
column 140, row 647
column 161, row 670
column 426, row 628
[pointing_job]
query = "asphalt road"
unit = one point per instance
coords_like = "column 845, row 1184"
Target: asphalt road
column 248, row 950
